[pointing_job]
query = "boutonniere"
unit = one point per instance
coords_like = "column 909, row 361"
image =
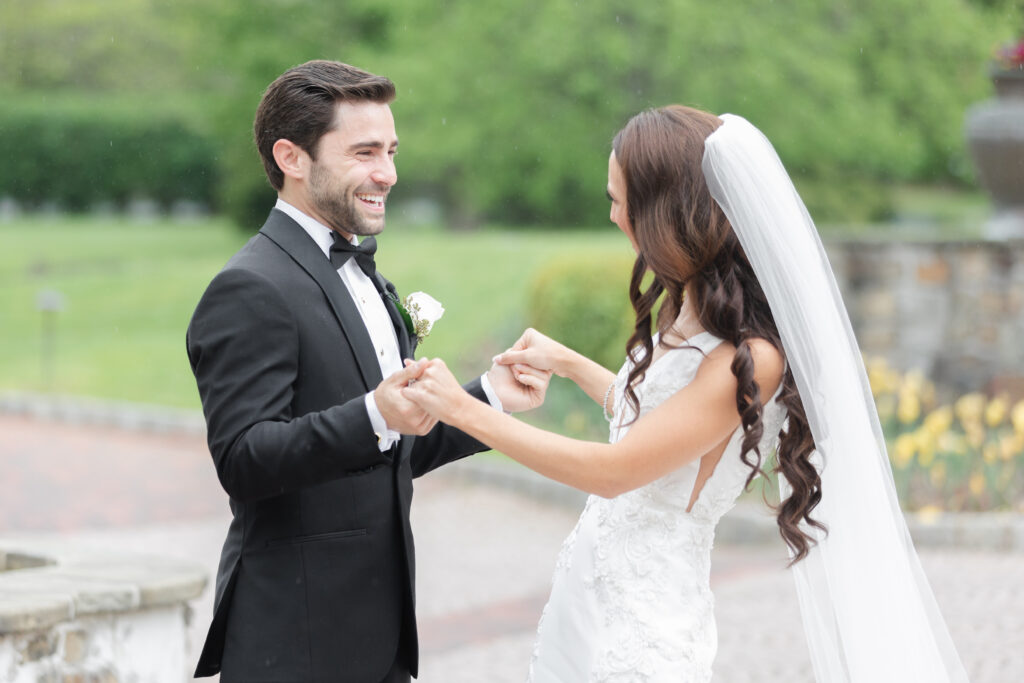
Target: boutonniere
column 419, row 311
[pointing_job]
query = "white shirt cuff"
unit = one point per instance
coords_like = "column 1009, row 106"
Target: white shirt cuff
column 492, row 397
column 386, row 437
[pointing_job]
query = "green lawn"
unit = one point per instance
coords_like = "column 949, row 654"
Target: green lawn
column 129, row 290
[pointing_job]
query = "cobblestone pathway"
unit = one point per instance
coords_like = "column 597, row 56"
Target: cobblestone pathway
column 485, row 557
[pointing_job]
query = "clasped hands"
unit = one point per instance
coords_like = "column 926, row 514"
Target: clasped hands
column 425, row 391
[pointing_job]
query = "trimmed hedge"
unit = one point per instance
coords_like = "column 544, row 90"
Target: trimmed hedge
column 77, row 152
column 585, row 305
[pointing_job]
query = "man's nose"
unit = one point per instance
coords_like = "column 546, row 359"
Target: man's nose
column 385, row 173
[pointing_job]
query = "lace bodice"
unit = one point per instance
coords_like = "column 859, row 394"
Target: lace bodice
column 667, row 375
column 631, row 599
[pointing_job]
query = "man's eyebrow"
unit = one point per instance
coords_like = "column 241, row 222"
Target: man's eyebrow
column 375, row 144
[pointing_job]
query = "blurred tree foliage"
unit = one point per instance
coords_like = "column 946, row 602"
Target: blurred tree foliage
column 506, row 111
column 95, row 47
column 78, row 152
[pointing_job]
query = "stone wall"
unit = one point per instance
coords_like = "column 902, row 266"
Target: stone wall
column 952, row 309
column 84, row 616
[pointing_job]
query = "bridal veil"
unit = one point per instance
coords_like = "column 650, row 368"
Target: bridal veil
column 867, row 608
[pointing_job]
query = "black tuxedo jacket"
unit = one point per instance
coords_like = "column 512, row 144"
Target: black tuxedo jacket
column 316, row 577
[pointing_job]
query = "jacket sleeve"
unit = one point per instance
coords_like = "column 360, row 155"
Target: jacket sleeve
column 243, row 347
column 445, row 444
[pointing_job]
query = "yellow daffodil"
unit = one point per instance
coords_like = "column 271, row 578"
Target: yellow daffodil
column 954, row 444
column 913, row 381
column 996, row 411
column 1017, row 417
column 886, row 406
column 878, row 375
column 929, row 514
column 909, row 407
column 975, row 434
column 894, row 379
column 926, row 452
column 1011, row 445
column 976, row 484
column 925, row 441
column 938, row 421
column 882, row 378
column 969, row 408
column 928, row 394
column 990, row 453
column 904, row 449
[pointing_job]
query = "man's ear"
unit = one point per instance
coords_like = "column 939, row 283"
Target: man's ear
column 291, row 159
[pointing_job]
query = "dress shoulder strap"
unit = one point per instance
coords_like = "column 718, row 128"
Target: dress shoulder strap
column 705, row 341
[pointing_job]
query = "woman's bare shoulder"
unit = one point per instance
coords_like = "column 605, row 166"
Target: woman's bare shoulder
column 769, row 363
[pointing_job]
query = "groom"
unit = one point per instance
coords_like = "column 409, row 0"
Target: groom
column 297, row 349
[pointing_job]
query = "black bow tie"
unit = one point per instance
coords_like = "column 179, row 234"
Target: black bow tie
column 342, row 250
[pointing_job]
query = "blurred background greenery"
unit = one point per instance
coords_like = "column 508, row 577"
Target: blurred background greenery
column 129, row 174
column 507, row 109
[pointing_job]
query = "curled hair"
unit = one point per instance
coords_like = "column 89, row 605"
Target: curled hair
column 300, row 106
column 684, row 238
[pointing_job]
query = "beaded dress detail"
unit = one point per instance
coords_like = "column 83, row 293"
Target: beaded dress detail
column 631, row 600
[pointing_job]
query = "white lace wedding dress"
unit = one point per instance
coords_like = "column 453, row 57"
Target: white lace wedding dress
column 631, row 600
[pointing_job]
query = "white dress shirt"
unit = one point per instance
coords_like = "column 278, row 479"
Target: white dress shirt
column 375, row 317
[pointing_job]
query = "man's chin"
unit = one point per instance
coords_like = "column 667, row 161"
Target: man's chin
column 364, row 227
column 370, row 226
column 370, row 229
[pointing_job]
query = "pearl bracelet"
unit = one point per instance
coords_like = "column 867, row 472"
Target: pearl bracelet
column 604, row 404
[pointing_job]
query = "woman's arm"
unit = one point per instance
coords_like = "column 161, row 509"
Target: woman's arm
column 535, row 350
column 689, row 424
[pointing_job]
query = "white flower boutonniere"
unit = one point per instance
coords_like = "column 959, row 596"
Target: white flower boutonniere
column 423, row 311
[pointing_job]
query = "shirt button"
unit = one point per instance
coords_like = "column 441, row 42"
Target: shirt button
column 382, row 353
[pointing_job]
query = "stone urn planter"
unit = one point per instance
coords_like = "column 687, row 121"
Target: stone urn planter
column 995, row 138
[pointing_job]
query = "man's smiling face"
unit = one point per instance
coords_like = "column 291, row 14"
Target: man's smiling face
column 355, row 169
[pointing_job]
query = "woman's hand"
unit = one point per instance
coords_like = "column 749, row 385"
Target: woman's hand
column 537, row 351
column 438, row 393
column 519, row 387
column 534, row 357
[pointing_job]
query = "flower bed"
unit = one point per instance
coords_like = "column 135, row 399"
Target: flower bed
column 959, row 455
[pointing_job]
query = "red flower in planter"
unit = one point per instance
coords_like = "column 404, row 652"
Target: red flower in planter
column 1010, row 56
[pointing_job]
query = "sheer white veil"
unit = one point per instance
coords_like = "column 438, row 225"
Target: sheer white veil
column 867, row 608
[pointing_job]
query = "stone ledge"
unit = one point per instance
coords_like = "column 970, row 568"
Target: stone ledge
column 15, row 560
column 104, row 413
column 31, row 612
column 67, row 582
column 879, row 239
column 752, row 523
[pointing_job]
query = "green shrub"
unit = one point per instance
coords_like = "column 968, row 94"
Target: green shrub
column 585, row 305
column 844, row 199
column 80, row 151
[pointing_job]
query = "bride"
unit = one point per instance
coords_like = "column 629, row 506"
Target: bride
column 752, row 355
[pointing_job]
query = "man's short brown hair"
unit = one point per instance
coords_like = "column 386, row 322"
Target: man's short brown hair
column 300, row 106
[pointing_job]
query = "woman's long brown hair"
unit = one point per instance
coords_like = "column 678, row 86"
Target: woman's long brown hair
column 683, row 238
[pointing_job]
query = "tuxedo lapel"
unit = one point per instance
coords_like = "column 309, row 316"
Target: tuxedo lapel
column 406, row 347
column 290, row 236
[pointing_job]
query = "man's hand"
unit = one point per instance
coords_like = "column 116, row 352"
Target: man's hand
column 438, row 392
column 398, row 412
column 519, row 387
